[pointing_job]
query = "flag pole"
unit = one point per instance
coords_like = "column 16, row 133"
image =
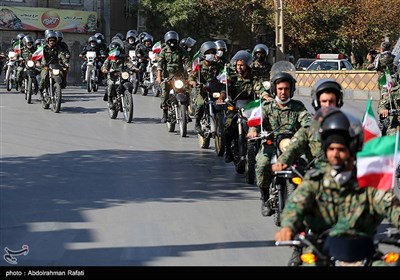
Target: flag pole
column 395, row 161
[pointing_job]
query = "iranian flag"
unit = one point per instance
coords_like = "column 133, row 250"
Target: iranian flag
column 377, row 162
column 38, row 54
column 196, row 62
column 253, row 113
column 17, row 47
column 112, row 54
column 223, row 76
column 386, row 80
column 370, row 124
column 156, row 47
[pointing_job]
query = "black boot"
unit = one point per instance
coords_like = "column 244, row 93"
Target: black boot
column 228, row 154
column 266, row 210
column 295, row 259
column 165, row 116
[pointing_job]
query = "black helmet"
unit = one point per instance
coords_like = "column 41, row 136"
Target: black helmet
column 337, row 125
column 281, row 77
column 20, row 36
column 141, row 36
column 120, row 35
column 187, row 43
column 115, row 45
column 47, row 31
column 207, row 46
column 260, row 48
column 131, row 34
column 38, row 42
column 171, row 35
column 100, row 37
column 28, row 39
column 221, row 45
column 50, row 34
column 60, row 36
column 242, row 55
column 147, row 37
column 92, row 39
column 324, row 85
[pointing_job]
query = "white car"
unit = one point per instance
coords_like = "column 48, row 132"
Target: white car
column 330, row 62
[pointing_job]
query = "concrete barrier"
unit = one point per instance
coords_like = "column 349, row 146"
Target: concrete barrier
column 357, row 84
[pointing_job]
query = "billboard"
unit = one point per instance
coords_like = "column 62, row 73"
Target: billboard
column 39, row 19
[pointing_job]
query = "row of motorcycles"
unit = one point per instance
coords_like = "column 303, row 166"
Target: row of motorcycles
column 52, row 94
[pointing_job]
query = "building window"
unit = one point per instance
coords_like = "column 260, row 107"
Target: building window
column 71, row 2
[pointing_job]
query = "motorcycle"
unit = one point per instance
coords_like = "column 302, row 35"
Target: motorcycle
column 121, row 100
column 11, row 72
column 150, row 76
column 286, row 181
column 212, row 122
column 345, row 250
column 239, row 142
column 30, row 81
column 134, row 77
column 92, row 71
column 177, row 105
column 52, row 94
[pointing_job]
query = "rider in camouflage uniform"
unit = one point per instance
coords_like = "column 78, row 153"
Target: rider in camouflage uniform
column 172, row 62
column 325, row 93
column 282, row 114
column 52, row 54
column 209, row 70
column 242, row 86
column 261, row 69
column 329, row 198
column 26, row 54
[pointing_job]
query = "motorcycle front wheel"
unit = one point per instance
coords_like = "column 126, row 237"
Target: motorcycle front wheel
column 88, row 81
column 56, row 98
column 8, row 79
column 182, row 120
column 127, row 106
column 28, row 90
column 250, row 163
column 219, row 139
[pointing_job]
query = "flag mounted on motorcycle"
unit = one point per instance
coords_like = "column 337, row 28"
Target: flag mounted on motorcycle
column 17, row 47
column 196, row 62
column 156, row 47
column 38, row 54
column 223, row 76
column 253, row 113
column 112, row 55
column 370, row 124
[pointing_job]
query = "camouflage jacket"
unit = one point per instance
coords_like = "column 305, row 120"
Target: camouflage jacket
column 388, row 102
column 118, row 64
column 320, row 203
column 305, row 141
column 282, row 120
column 207, row 73
column 260, row 71
column 247, row 88
column 26, row 54
column 173, row 62
column 384, row 60
column 53, row 56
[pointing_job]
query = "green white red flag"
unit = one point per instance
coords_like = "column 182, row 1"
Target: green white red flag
column 38, row 54
column 17, row 47
column 253, row 112
column 112, row 54
column 196, row 62
column 370, row 124
column 156, row 47
column 223, row 76
column 386, row 80
column 377, row 162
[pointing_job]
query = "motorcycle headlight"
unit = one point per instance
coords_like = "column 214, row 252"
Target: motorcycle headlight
column 283, row 144
column 125, row 75
column 296, row 180
column 178, row 84
column 30, row 63
column 56, row 72
column 216, row 94
column 308, row 258
column 391, row 257
column 12, row 55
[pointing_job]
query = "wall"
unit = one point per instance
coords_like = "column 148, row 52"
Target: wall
column 356, row 84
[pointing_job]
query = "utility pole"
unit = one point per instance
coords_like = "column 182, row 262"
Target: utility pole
column 279, row 39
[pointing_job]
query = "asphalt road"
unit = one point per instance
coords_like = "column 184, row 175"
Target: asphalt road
column 81, row 189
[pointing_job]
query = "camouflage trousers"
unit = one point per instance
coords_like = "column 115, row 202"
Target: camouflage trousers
column 263, row 166
column 165, row 89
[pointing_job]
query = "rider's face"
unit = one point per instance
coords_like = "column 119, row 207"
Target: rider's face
column 337, row 154
column 52, row 42
column 327, row 99
column 283, row 90
column 241, row 67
